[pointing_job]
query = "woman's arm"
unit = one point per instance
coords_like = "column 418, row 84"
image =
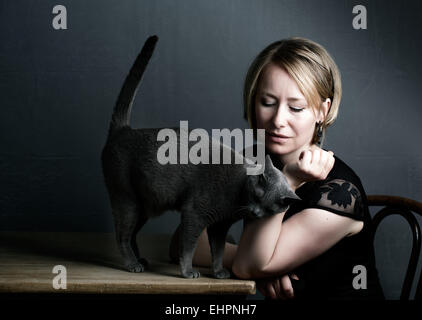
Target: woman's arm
column 278, row 287
column 301, row 238
column 268, row 247
column 257, row 243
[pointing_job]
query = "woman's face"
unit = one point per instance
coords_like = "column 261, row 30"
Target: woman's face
column 283, row 112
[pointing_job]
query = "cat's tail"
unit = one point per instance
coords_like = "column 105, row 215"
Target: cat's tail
column 123, row 107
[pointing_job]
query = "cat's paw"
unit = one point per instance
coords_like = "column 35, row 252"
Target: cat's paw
column 191, row 274
column 135, row 267
column 222, row 274
column 144, row 262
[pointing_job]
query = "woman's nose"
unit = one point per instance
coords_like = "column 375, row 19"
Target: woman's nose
column 280, row 116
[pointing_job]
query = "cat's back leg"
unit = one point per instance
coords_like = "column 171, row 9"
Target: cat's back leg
column 128, row 220
column 217, row 239
column 191, row 228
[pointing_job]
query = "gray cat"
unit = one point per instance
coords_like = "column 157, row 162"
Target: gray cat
column 211, row 196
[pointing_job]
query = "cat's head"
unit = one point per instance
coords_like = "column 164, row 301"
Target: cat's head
column 268, row 193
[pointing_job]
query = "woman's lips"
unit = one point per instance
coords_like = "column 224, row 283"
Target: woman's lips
column 276, row 137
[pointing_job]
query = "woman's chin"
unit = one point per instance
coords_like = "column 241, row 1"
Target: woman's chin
column 276, row 148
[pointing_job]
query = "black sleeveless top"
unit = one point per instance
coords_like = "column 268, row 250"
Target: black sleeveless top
column 338, row 273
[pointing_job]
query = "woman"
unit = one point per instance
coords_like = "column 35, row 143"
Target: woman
column 314, row 249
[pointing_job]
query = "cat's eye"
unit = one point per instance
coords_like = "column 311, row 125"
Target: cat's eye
column 281, row 203
column 275, row 207
column 259, row 192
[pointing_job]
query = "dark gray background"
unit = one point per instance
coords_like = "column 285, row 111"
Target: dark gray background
column 58, row 88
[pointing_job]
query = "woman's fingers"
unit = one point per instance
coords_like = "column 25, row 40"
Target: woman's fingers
column 305, row 163
column 316, row 168
column 287, row 286
column 271, row 290
column 323, row 157
column 307, row 157
column 294, row 276
column 313, row 164
column 316, row 157
column 278, row 288
column 321, row 164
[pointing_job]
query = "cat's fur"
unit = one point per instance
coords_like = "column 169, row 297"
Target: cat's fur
column 211, row 196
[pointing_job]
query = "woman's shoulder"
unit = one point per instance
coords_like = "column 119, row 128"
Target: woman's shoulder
column 341, row 193
column 343, row 171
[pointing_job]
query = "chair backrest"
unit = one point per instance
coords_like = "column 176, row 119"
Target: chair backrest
column 406, row 208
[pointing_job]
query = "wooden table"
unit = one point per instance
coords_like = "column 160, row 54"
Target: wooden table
column 93, row 267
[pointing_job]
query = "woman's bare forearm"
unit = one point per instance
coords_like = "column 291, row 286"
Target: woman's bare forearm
column 257, row 244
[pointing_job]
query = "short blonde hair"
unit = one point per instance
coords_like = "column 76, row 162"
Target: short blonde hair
column 309, row 64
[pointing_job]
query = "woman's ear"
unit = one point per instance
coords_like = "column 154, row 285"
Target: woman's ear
column 324, row 110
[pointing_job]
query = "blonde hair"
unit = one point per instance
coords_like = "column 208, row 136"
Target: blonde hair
column 312, row 68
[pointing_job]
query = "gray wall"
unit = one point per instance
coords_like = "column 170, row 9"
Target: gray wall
column 58, row 88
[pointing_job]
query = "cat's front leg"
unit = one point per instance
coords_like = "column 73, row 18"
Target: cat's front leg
column 217, row 239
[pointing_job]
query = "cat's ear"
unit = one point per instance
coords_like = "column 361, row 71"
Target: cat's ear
column 263, row 178
column 268, row 163
column 291, row 197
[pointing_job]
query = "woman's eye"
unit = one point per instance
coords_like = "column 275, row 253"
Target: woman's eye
column 267, row 103
column 296, row 109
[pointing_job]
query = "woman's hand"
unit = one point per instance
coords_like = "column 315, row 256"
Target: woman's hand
column 278, row 287
column 313, row 164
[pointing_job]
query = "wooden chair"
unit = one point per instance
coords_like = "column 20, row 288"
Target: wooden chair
column 406, row 208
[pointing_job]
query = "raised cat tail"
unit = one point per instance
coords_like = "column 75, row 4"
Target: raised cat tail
column 123, row 107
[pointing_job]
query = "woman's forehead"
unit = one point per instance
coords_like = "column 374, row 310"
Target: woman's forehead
column 277, row 82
